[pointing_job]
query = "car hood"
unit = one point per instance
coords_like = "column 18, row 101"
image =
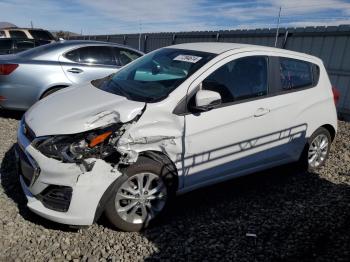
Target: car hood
column 78, row 109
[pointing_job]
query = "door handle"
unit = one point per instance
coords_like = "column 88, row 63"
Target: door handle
column 75, row 70
column 261, row 111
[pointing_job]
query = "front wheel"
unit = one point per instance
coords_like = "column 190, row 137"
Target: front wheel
column 140, row 195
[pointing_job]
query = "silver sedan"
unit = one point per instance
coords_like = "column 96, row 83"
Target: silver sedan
column 31, row 75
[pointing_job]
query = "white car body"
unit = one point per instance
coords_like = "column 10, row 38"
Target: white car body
column 206, row 148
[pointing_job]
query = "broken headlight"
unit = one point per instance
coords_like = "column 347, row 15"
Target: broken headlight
column 74, row 148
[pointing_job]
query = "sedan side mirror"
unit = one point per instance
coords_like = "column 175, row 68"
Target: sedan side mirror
column 207, row 100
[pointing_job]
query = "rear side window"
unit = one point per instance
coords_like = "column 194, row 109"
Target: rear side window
column 98, row 55
column 295, row 74
column 41, row 34
column 73, row 55
column 125, row 56
column 17, row 34
column 316, row 74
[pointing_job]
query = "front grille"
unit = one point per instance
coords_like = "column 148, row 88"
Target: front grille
column 29, row 134
column 57, row 198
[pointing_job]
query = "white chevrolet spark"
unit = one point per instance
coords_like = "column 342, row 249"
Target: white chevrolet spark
column 176, row 119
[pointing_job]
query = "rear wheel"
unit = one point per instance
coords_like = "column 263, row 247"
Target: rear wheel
column 140, row 195
column 317, row 149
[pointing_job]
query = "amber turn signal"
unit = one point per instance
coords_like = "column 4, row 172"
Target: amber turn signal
column 99, row 139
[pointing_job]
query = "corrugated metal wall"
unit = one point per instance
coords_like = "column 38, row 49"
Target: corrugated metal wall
column 331, row 44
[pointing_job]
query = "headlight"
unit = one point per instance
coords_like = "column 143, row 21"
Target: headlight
column 54, row 147
column 72, row 148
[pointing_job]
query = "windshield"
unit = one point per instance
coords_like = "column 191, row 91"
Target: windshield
column 153, row 77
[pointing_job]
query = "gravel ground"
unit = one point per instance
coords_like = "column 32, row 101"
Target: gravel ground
column 288, row 215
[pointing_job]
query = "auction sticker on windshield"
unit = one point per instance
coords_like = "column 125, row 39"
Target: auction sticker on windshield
column 188, row 58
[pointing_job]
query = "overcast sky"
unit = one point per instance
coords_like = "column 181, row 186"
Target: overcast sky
column 128, row 16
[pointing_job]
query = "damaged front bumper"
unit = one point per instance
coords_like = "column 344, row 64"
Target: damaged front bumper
column 62, row 192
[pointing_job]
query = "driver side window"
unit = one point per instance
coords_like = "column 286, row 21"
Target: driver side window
column 239, row 79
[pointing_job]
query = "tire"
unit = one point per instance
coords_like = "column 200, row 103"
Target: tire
column 137, row 200
column 316, row 150
column 50, row 91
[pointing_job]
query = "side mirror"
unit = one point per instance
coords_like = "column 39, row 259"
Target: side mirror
column 206, row 100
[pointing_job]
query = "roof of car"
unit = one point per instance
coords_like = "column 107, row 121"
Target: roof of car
column 85, row 42
column 218, row 48
column 72, row 43
column 21, row 28
column 91, row 42
column 52, row 50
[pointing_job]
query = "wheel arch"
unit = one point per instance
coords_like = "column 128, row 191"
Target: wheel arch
column 331, row 130
column 154, row 155
column 164, row 159
column 48, row 89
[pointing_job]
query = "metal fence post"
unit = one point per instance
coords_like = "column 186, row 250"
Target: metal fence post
column 285, row 40
column 173, row 41
column 145, row 44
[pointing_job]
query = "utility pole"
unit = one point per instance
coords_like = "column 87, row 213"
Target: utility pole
column 278, row 25
column 31, row 24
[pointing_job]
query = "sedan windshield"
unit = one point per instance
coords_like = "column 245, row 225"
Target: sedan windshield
column 153, row 77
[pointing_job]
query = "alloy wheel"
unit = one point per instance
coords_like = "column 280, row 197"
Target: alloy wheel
column 318, row 150
column 141, row 198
